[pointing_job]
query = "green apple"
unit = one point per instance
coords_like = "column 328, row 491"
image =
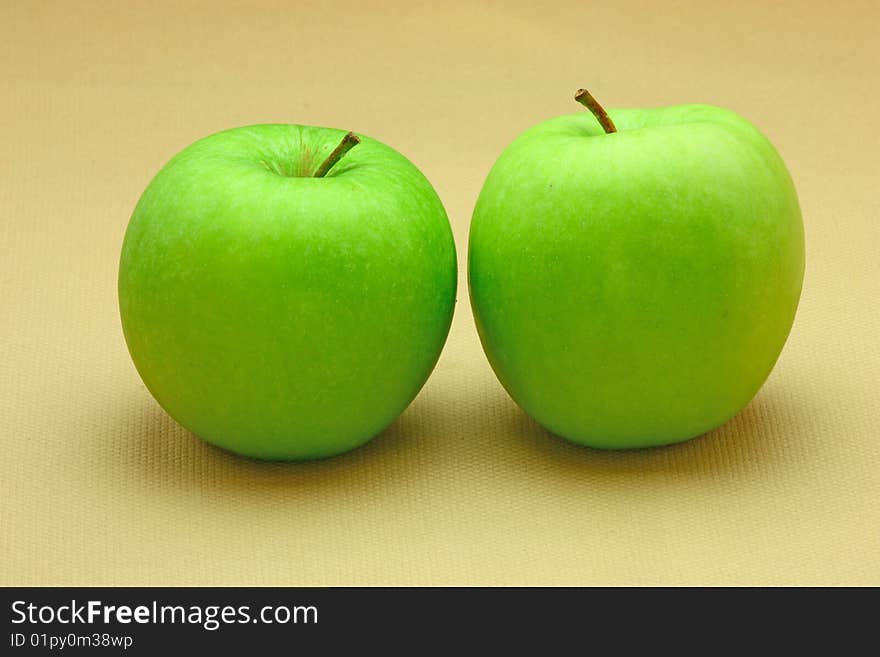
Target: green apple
column 284, row 303
column 634, row 279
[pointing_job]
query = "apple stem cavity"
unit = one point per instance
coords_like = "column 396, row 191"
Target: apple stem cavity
column 348, row 142
column 586, row 99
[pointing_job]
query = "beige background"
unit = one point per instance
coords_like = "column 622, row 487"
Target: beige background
column 100, row 487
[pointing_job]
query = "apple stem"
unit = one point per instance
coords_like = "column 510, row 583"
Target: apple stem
column 348, row 142
column 586, row 99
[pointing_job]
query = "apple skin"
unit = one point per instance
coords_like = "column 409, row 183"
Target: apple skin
column 635, row 289
column 278, row 315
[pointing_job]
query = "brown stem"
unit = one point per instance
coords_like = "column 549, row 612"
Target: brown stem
column 348, row 142
column 586, row 99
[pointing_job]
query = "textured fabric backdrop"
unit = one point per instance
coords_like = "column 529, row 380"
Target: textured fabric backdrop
column 99, row 486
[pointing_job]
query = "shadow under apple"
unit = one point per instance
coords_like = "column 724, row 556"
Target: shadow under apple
column 468, row 431
column 752, row 439
column 156, row 448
